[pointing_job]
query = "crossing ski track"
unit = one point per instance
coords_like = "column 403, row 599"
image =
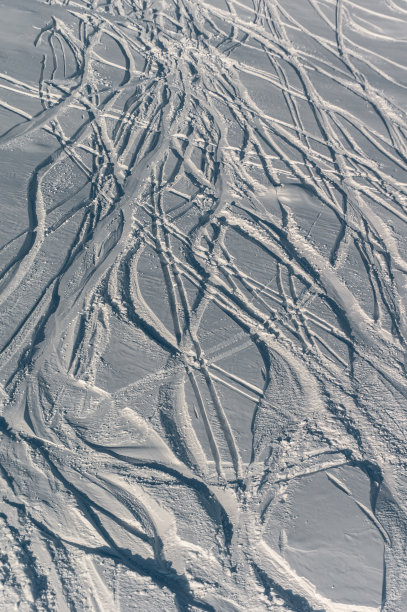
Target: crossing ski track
column 203, row 293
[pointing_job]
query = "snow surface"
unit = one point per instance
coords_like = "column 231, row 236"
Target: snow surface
column 203, row 288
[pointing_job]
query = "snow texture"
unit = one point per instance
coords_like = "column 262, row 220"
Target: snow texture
column 203, row 255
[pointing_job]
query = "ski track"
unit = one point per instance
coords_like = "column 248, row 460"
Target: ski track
column 191, row 154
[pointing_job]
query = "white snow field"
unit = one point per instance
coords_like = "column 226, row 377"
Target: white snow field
column 203, row 327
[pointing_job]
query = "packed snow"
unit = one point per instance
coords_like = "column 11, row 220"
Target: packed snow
column 203, row 254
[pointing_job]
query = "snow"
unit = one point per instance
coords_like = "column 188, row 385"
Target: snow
column 203, row 259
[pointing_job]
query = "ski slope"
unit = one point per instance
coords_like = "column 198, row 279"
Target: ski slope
column 203, row 256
